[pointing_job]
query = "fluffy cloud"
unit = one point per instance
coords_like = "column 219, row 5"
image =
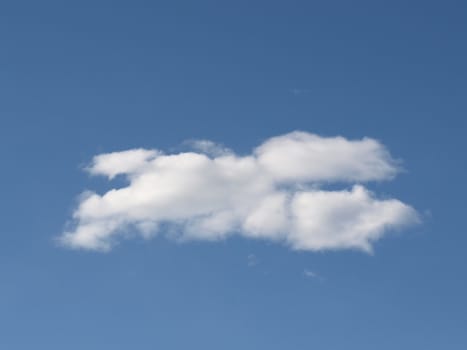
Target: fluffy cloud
column 276, row 193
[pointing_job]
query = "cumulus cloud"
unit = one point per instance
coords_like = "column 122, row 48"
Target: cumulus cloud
column 276, row 193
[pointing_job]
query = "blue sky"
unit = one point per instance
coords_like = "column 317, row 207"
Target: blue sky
column 93, row 77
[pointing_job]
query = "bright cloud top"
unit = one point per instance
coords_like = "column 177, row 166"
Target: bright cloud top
column 276, row 193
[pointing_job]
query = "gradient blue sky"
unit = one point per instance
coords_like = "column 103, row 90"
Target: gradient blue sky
column 82, row 78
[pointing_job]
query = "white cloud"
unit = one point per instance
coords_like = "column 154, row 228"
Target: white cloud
column 208, row 147
column 301, row 156
column 276, row 193
column 309, row 273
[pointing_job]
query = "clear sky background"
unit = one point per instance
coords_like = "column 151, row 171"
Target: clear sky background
column 87, row 77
